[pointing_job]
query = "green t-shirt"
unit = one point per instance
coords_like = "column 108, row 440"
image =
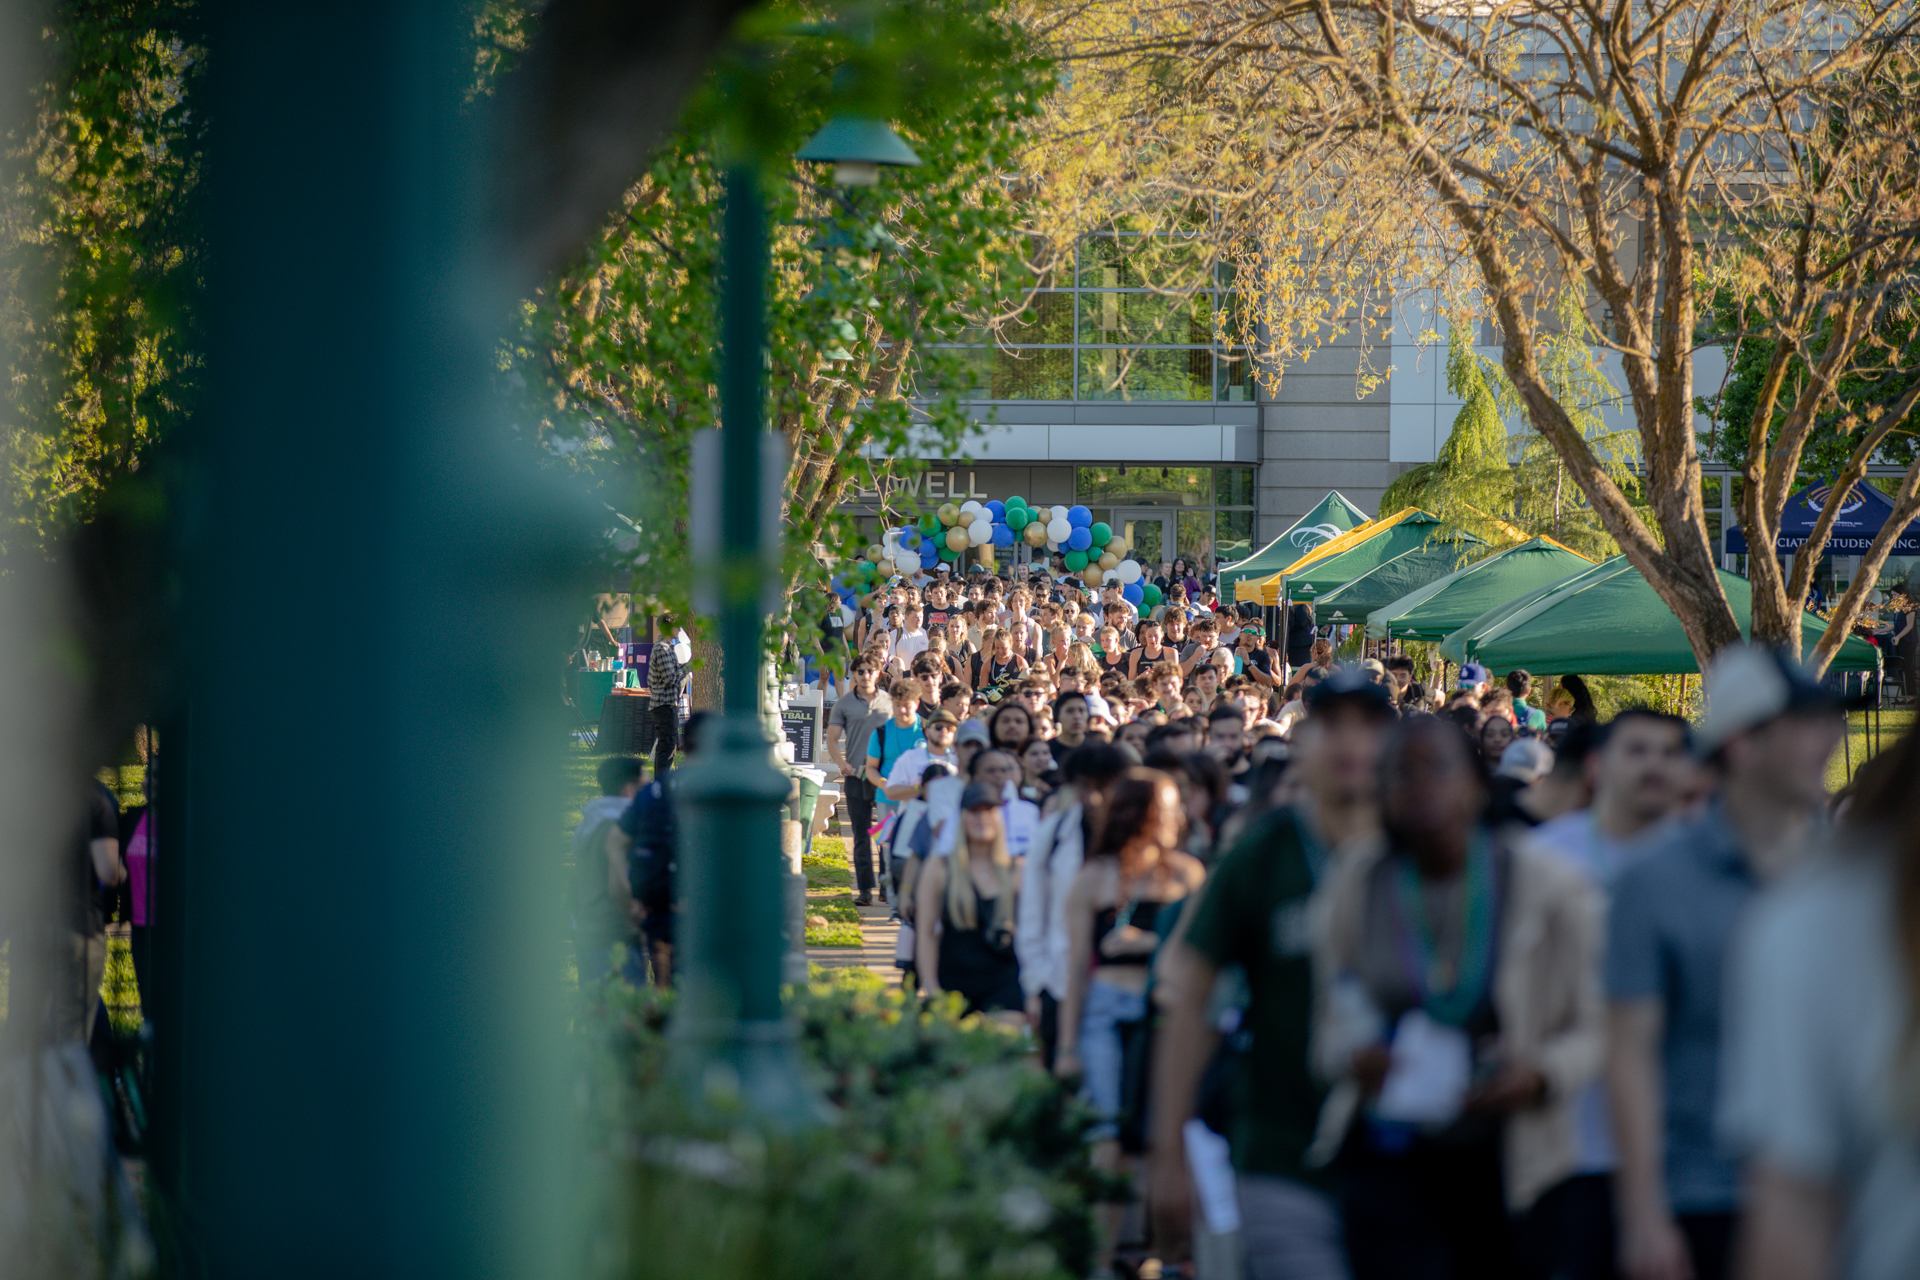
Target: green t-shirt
column 1253, row 913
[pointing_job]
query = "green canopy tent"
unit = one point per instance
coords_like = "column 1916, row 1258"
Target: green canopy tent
column 1608, row 620
column 1392, row 579
column 1331, row 518
column 1446, row 604
column 1383, row 541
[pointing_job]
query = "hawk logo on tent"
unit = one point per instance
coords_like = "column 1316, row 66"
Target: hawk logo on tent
column 1817, row 499
column 1313, row 535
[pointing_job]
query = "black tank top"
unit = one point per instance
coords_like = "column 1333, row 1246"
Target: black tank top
column 1107, row 919
column 979, row 963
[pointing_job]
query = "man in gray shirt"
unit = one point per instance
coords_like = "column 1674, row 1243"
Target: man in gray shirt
column 1768, row 734
column 848, row 726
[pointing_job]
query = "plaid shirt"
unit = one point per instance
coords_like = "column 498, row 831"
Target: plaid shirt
column 666, row 678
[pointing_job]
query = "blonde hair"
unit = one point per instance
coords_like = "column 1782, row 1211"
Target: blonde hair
column 960, row 898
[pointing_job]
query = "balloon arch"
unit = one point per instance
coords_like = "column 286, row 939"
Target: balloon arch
column 1092, row 549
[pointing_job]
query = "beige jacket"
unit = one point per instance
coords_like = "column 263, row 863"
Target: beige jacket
column 1546, row 993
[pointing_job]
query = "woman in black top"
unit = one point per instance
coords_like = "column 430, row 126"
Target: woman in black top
column 970, row 894
column 1121, row 905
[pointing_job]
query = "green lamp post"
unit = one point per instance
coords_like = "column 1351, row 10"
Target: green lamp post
column 730, row 1031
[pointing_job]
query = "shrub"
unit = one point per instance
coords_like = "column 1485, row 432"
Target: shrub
column 944, row 1152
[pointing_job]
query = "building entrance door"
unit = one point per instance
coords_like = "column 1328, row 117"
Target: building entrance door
column 1149, row 531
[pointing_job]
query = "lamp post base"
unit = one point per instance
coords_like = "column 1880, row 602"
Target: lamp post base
column 731, row 1036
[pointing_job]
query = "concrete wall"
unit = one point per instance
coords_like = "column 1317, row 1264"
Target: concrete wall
column 1318, row 433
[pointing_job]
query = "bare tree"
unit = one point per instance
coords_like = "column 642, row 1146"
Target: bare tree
column 1703, row 172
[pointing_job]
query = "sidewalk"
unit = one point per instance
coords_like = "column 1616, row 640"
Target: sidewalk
column 879, row 935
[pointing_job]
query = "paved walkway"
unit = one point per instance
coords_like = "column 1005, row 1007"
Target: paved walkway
column 876, row 955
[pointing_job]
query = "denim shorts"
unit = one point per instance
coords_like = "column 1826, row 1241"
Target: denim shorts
column 1100, row 1056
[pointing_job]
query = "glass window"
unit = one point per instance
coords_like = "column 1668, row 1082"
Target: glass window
column 966, row 371
column 1032, row 373
column 1145, row 486
column 1710, row 492
column 1232, row 535
column 1713, row 531
column 1048, row 319
column 1194, row 539
column 1236, row 487
column 1146, row 317
column 1137, row 375
column 1140, row 262
column 1235, row 377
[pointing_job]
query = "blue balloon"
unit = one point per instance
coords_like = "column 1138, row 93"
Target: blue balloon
column 929, row 557
column 910, row 538
column 1079, row 517
column 1133, row 593
column 997, row 509
column 1080, row 539
column 1002, row 535
column 839, row 584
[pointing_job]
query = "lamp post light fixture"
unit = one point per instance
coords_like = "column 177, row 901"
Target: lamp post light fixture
column 856, row 147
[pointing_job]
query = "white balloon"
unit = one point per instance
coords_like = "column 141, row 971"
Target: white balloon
column 1111, row 575
column 847, row 616
column 1058, row 513
column 1129, row 571
column 970, row 506
column 1058, row 530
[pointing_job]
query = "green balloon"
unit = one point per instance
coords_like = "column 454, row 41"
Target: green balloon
column 1150, row 595
column 1146, row 611
column 1016, row 502
column 1100, row 534
column 1076, row 561
column 949, row 554
column 1017, row 518
column 929, row 524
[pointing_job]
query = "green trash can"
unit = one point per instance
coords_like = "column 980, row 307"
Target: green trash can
column 800, row 807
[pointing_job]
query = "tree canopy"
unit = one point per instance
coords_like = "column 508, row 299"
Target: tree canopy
column 1640, row 161
column 101, row 263
column 616, row 364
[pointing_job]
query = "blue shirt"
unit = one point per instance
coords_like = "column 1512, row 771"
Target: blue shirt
column 1670, row 928
column 888, row 742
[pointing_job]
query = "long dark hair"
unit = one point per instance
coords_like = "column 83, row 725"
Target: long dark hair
column 1583, row 707
column 1122, row 813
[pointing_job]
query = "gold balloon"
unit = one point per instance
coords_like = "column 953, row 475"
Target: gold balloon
column 1035, row 534
column 948, row 513
column 1109, row 561
column 956, row 539
column 874, row 554
column 1091, row 575
column 1117, row 548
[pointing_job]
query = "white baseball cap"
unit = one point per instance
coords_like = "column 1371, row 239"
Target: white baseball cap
column 1526, row 759
column 1746, row 686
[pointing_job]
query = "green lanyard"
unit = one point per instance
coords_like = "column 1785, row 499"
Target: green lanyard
column 1449, row 996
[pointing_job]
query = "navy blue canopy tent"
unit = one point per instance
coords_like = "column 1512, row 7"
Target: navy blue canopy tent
column 1862, row 513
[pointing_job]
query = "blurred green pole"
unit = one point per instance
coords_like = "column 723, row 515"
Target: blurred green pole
column 730, row 1027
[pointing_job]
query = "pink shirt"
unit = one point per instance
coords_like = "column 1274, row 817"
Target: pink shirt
column 139, row 869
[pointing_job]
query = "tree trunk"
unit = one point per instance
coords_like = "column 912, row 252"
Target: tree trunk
column 1906, row 506
column 706, row 693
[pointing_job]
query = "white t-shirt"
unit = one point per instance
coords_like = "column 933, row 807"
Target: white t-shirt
column 1816, row 1012
column 1575, row 838
column 914, row 761
column 908, row 645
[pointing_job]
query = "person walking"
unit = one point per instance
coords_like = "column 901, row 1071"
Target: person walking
column 850, row 727
column 964, row 907
column 1822, row 1077
column 1053, row 861
column 1635, row 768
column 1253, row 915
column 1120, row 906
column 1455, row 956
column 1768, row 733
column 603, row 907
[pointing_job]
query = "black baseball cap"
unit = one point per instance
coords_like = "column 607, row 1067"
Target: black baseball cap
column 1350, row 687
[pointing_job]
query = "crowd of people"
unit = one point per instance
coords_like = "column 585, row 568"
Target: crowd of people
column 1464, row 983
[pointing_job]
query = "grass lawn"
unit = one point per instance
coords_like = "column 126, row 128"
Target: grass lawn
column 1859, row 746
column 832, row 919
